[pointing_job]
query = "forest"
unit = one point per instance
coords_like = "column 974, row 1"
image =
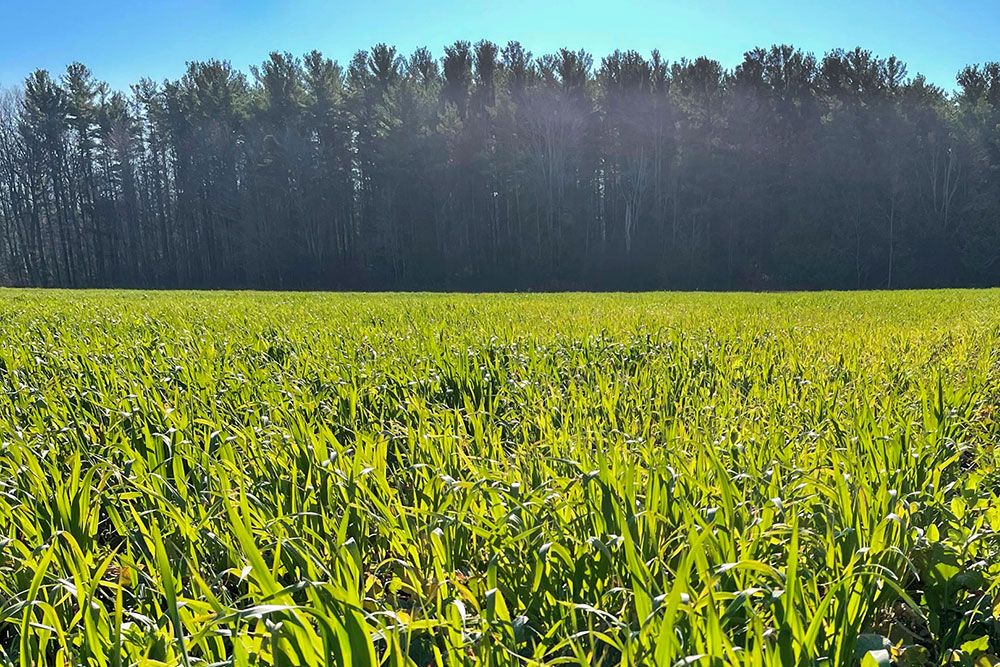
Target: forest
column 490, row 168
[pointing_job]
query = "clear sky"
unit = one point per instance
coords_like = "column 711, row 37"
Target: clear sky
column 123, row 40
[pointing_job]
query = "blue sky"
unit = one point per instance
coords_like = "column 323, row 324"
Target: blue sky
column 125, row 40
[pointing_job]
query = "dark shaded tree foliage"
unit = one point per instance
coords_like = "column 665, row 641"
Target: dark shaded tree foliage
column 491, row 168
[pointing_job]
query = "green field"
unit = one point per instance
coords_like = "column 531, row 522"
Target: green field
column 304, row 479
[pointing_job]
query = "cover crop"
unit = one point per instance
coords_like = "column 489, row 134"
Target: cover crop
column 279, row 479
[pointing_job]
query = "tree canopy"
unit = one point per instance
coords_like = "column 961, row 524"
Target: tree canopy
column 492, row 168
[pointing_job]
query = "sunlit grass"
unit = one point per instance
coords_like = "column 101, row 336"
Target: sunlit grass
column 277, row 479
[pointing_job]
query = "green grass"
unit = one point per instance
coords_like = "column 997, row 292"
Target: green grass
column 277, row 479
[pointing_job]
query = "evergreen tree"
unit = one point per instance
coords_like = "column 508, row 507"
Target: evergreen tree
column 491, row 168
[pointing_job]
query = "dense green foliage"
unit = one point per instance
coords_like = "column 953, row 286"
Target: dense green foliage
column 489, row 168
column 258, row 479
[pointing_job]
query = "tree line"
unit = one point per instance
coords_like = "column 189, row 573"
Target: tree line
column 491, row 168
